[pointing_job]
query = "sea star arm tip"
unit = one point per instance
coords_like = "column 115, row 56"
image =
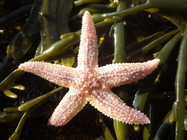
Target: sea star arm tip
column 88, row 52
column 112, row 106
column 125, row 73
column 68, row 107
column 57, row 74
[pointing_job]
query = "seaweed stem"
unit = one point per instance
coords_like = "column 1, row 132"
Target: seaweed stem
column 180, row 89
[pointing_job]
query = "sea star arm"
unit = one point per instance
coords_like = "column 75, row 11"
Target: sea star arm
column 68, row 107
column 57, row 74
column 125, row 73
column 112, row 106
column 88, row 52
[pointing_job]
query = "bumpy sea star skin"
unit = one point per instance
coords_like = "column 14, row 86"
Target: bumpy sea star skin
column 90, row 83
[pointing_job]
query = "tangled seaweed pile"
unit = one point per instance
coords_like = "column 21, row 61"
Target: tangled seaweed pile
column 128, row 30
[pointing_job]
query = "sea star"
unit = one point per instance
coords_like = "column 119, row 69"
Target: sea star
column 90, row 83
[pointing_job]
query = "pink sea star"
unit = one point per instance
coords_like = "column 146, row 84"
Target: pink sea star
column 90, row 83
